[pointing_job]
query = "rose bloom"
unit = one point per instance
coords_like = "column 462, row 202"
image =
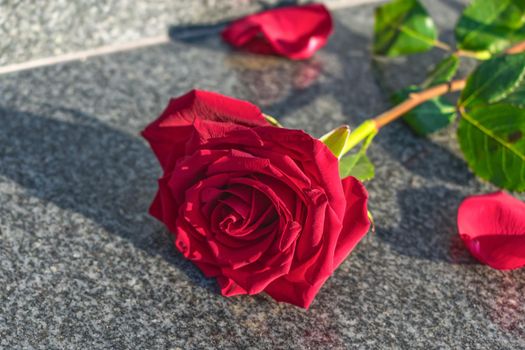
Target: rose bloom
column 258, row 207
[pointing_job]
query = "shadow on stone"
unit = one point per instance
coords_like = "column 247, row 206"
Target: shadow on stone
column 82, row 165
column 281, row 86
column 199, row 33
column 196, row 34
column 427, row 227
column 426, row 158
column 413, row 151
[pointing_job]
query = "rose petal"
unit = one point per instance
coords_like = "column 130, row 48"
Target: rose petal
column 295, row 32
column 191, row 246
column 190, row 170
column 229, row 288
column 316, row 160
column 168, row 133
column 163, row 207
column 355, row 223
column 192, row 211
column 297, row 293
column 492, row 226
column 255, row 280
column 277, row 199
column 256, row 277
column 302, row 283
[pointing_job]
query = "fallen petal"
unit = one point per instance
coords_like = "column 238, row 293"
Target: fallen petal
column 295, row 32
column 492, row 226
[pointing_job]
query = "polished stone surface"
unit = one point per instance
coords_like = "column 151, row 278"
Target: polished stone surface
column 36, row 29
column 47, row 28
column 83, row 266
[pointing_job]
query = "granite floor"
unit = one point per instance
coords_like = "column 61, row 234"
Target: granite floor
column 82, row 265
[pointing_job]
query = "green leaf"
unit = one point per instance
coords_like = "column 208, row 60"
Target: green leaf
column 492, row 140
column 428, row 117
column 336, row 140
column 517, row 97
column 491, row 131
column 403, row 27
column 443, row 72
column 365, row 131
column 500, row 79
column 491, row 25
column 436, row 113
column 357, row 165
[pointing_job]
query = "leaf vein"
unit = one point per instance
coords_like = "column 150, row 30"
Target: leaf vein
column 487, row 132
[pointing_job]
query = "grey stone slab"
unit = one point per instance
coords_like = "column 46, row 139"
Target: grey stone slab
column 82, row 265
column 36, row 29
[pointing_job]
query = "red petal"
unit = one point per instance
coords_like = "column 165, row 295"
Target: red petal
column 355, row 226
column 168, row 134
column 229, row 288
column 295, row 32
column 492, row 226
column 297, row 293
column 356, row 222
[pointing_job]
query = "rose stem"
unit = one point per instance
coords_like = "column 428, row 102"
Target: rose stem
column 441, row 45
column 418, row 98
column 518, row 48
column 372, row 126
column 481, row 55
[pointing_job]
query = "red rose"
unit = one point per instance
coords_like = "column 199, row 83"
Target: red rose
column 260, row 208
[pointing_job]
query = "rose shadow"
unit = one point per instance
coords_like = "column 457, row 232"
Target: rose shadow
column 412, row 150
column 87, row 167
column 427, row 227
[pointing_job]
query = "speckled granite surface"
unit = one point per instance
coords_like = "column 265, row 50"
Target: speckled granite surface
column 47, row 28
column 83, row 266
column 36, row 29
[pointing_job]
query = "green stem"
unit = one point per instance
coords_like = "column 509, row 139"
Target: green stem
column 479, row 55
column 370, row 127
column 441, row 45
column 367, row 128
